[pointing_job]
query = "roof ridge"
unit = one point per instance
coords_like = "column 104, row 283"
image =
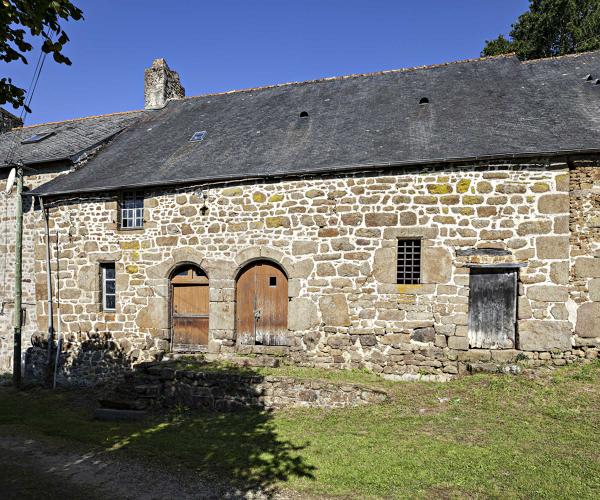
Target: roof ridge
column 346, row 77
column 77, row 119
column 564, row 56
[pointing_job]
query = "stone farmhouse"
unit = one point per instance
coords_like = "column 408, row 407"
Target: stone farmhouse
column 418, row 222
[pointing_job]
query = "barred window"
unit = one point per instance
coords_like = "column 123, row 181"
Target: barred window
column 132, row 210
column 408, row 270
column 109, row 286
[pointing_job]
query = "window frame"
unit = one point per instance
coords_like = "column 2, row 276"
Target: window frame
column 405, row 269
column 104, row 267
column 136, row 215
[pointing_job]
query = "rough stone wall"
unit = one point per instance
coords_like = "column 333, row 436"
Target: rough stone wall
column 229, row 392
column 335, row 237
column 585, row 251
column 32, row 235
column 8, row 121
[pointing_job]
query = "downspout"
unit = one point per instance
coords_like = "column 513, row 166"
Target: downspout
column 58, row 329
column 48, row 285
column 18, row 312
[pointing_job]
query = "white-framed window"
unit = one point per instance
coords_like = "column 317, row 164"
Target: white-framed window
column 132, row 210
column 109, row 286
column 408, row 270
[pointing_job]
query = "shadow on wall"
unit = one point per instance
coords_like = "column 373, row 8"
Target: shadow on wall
column 85, row 360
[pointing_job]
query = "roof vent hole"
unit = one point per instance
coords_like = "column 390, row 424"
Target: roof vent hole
column 597, row 82
column 424, row 100
column 304, row 114
column 587, row 78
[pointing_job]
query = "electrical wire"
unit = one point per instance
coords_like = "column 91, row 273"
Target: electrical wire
column 13, row 147
column 30, row 93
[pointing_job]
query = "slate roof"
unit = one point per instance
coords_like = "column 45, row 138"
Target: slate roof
column 485, row 108
column 70, row 138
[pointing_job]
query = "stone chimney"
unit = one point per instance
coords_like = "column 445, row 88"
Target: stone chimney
column 161, row 84
column 8, row 121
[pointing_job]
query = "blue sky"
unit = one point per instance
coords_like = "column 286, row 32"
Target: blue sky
column 223, row 45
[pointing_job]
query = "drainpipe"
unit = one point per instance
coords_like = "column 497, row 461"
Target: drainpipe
column 18, row 313
column 58, row 329
column 48, row 284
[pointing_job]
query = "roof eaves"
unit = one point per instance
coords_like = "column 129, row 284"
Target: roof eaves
column 316, row 171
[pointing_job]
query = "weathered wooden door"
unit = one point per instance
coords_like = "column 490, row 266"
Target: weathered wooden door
column 492, row 307
column 189, row 309
column 262, row 305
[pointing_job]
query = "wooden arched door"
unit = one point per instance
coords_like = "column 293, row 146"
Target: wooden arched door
column 262, row 304
column 189, row 309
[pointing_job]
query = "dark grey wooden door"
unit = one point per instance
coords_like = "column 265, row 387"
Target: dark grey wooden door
column 492, row 307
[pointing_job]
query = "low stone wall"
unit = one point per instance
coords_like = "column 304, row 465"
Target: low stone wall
column 85, row 360
column 226, row 391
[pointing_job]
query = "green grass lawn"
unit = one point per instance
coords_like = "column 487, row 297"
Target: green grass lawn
column 488, row 436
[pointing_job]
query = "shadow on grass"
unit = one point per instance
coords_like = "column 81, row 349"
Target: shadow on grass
column 217, row 424
column 240, row 450
column 212, row 422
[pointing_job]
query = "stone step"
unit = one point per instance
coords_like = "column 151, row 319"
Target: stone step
column 113, row 414
column 147, row 390
column 259, row 361
column 125, row 390
column 122, row 404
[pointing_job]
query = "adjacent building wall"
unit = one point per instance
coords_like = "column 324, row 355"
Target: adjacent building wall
column 585, row 252
column 335, row 237
column 32, row 235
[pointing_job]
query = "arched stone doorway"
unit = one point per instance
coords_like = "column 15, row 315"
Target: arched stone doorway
column 262, row 304
column 189, row 308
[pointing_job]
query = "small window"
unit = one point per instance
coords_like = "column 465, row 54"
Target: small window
column 409, row 262
column 109, row 286
column 303, row 114
column 273, row 281
column 37, row 138
column 424, row 100
column 198, row 136
column 132, row 210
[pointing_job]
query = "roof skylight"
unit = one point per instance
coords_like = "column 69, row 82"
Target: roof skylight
column 37, row 138
column 198, row 136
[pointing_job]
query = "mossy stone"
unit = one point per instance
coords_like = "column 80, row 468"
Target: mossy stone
column 233, row 191
column 439, row 188
column 463, row 185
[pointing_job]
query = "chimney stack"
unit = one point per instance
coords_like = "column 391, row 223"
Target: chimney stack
column 161, row 84
column 8, row 121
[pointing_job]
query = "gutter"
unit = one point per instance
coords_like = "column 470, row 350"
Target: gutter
column 335, row 169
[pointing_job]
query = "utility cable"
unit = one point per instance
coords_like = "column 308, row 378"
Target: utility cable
column 31, row 92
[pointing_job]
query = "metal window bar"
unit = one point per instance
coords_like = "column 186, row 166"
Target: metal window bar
column 109, row 290
column 408, row 271
column 132, row 210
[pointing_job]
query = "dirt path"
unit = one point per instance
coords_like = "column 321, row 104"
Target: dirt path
column 35, row 469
